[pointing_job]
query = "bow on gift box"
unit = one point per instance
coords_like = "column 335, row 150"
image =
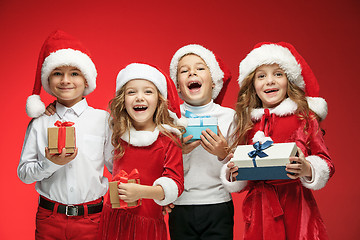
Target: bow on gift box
column 259, row 150
column 62, row 133
column 189, row 114
column 124, row 177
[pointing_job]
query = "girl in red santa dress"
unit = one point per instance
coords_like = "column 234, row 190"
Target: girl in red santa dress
column 278, row 101
column 146, row 141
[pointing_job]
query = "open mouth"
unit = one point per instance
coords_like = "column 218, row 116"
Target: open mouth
column 194, row 85
column 140, row 108
column 271, row 91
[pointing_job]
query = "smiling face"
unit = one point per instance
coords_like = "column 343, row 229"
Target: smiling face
column 270, row 84
column 141, row 99
column 67, row 84
column 194, row 80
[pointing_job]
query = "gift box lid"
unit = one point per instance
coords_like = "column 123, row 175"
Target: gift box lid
column 204, row 120
column 278, row 155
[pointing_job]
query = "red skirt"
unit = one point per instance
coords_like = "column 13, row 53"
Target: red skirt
column 127, row 224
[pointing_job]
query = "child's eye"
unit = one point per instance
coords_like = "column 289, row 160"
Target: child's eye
column 74, row 74
column 261, row 76
column 148, row 91
column 57, row 73
column 184, row 71
column 129, row 92
column 279, row 74
column 201, row 68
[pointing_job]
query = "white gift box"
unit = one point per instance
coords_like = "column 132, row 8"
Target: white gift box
column 265, row 168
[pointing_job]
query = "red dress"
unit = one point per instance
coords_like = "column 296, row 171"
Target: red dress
column 161, row 160
column 286, row 209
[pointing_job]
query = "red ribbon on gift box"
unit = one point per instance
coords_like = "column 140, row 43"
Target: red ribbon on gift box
column 124, row 177
column 62, row 133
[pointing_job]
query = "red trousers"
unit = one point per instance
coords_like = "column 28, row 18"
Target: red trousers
column 53, row 225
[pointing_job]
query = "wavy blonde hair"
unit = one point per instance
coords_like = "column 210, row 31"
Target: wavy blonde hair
column 248, row 100
column 120, row 121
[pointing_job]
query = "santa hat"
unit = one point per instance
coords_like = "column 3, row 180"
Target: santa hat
column 295, row 67
column 163, row 83
column 219, row 73
column 59, row 49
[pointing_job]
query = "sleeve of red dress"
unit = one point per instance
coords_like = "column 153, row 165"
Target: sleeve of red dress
column 172, row 179
column 318, row 156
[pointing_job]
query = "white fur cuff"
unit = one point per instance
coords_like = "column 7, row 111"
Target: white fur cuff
column 236, row 186
column 320, row 171
column 170, row 190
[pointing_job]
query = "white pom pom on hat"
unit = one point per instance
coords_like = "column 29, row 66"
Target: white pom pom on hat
column 220, row 75
column 59, row 49
column 296, row 68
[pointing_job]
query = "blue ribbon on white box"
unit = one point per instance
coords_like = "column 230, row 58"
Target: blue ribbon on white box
column 189, row 114
column 259, row 150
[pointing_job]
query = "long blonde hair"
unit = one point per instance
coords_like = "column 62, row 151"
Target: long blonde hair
column 249, row 100
column 120, row 121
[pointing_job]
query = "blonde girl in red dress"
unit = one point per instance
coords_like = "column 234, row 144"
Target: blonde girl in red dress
column 145, row 138
column 278, row 100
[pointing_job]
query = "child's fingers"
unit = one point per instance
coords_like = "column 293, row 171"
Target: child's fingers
column 187, row 138
column 212, row 134
column 205, row 141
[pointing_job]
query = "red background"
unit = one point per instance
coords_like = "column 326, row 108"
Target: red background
column 119, row 32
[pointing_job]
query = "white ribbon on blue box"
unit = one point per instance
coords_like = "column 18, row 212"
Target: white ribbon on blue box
column 197, row 124
column 263, row 161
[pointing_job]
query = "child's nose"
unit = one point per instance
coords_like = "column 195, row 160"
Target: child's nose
column 65, row 79
column 270, row 80
column 139, row 97
column 192, row 72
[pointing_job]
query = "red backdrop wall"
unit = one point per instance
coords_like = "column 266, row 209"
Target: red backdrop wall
column 119, row 32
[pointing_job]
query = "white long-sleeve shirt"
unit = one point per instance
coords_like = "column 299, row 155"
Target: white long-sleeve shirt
column 80, row 180
column 202, row 169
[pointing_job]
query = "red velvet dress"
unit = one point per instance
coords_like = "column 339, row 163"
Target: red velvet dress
column 286, row 209
column 163, row 158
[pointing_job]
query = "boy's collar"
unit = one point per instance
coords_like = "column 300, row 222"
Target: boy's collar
column 78, row 108
column 200, row 109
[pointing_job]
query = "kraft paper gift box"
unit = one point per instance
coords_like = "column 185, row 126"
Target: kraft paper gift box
column 61, row 136
column 258, row 166
column 123, row 177
column 197, row 124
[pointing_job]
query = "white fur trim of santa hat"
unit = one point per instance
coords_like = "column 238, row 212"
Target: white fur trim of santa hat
column 142, row 71
column 236, row 186
column 320, row 170
column 209, row 58
column 170, row 188
column 268, row 54
column 69, row 57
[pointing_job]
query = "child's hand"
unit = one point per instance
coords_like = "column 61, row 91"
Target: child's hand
column 299, row 166
column 233, row 171
column 214, row 144
column 130, row 192
column 167, row 209
column 60, row 159
column 188, row 147
column 51, row 109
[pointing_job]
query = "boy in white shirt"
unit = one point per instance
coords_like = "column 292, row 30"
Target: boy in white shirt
column 205, row 209
column 71, row 186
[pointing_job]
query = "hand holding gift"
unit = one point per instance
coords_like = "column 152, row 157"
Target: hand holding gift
column 214, row 144
column 299, row 166
column 124, row 190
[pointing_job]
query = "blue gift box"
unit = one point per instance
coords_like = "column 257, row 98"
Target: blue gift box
column 197, row 124
column 263, row 161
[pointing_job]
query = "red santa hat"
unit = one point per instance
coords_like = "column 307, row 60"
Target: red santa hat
column 59, row 49
column 297, row 70
column 219, row 73
column 163, row 83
